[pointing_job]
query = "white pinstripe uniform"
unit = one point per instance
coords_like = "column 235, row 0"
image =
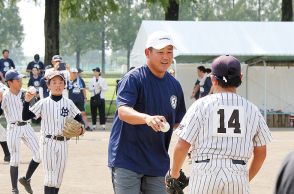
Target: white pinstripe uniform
column 12, row 106
column 3, row 89
column 222, row 127
column 53, row 152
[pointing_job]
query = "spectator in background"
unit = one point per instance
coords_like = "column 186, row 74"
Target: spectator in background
column 56, row 61
column 43, row 89
column 77, row 93
column 203, row 84
column 5, row 64
column 35, row 81
column 172, row 72
column 98, row 86
column 36, row 63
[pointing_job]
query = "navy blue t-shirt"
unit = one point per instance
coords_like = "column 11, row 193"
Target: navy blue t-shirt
column 35, row 82
column 5, row 65
column 75, row 90
column 138, row 147
column 43, row 84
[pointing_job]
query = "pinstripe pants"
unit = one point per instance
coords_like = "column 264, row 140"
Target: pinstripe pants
column 27, row 135
column 219, row 176
column 54, row 156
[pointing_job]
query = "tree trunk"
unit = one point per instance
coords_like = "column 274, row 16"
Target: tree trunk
column 103, row 46
column 78, row 58
column 172, row 12
column 51, row 27
column 287, row 10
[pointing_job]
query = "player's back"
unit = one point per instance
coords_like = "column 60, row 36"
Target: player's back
column 226, row 126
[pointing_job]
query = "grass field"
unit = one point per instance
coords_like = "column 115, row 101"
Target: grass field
column 110, row 95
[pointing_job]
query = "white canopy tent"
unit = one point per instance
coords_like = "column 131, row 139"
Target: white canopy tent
column 254, row 43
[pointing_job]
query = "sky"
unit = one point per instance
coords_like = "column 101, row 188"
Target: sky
column 32, row 16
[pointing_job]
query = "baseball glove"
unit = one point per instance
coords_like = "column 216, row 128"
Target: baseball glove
column 72, row 128
column 176, row 186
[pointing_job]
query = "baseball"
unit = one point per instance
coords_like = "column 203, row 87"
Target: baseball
column 32, row 90
column 166, row 127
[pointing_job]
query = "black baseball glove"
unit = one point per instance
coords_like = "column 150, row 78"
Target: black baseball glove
column 176, row 186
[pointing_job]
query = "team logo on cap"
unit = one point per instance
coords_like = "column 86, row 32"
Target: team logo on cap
column 173, row 101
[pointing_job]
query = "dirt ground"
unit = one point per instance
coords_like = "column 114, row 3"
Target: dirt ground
column 87, row 171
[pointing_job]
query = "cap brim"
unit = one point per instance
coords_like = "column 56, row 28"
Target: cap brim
column 162, row 45
column 55, row 76
column 20, row 76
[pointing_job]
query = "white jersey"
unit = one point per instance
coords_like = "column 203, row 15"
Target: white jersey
column 53, row 114
column 12, row 106
column 223, row 125
column 98, row 86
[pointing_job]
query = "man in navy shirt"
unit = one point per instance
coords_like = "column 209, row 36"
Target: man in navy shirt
column 5, row 63
column 147, row 97
column 36, row 63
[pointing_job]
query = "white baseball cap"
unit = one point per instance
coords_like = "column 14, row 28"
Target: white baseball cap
column 159, row 40
column 74, row 70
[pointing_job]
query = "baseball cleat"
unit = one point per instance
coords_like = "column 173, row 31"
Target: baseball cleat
column 26, row 183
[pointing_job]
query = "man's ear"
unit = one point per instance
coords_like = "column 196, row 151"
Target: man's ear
column 147, row 52
column 241, row 76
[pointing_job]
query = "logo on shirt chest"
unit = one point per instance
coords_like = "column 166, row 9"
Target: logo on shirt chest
column 64, row 111
column 173, row 101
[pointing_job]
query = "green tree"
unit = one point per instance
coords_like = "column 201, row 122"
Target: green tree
column 11, row 31
column 77, row 37
column 91, row 10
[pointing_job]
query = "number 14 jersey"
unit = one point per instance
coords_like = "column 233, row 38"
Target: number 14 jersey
column 223, row 125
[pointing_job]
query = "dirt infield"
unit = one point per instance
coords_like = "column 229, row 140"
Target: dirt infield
column 87, row 171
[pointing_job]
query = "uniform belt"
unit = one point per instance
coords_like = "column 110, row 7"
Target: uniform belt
column 59, row 138
column 242, row 162
column 19, row 123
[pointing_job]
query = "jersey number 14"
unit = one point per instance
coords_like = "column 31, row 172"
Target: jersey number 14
column 228, row 121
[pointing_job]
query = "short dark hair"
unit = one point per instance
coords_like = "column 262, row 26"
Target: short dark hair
column 5, row 50
column 208, row 70
column 201, row 68
column 226, row 82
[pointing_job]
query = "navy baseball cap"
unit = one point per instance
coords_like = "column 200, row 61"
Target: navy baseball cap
column 13, row 75
column 226, row 66
column 57, row 58
column 96, row 69
column 80, row 70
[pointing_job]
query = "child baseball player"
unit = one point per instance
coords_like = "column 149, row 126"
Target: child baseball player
column 3, row 140
column 18, row 129
column 53, row 145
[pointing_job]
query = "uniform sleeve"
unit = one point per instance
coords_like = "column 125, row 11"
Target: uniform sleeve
column 74, row 111
column 263, row 135
column 4, row 102
column 127, row 92
column 37, row 108
column 181, row 107
column 188, row 129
